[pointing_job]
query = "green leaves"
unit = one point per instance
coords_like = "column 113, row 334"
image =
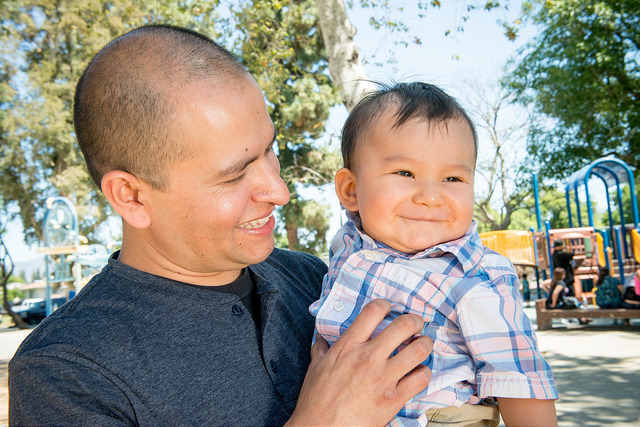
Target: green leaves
column 582, row 75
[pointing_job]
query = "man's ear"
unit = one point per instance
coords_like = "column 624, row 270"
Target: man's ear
column 124, row 192
column 346, row 189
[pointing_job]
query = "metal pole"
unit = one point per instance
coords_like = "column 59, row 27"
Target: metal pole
column 537, row 199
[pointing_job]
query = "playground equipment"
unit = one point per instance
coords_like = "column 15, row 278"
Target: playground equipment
column 64, row 254
column 616, row 247
column 618, row 238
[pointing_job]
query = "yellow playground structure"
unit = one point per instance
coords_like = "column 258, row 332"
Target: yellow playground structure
column 616, row 247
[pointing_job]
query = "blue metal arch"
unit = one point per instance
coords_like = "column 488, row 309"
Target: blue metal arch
column 613, row 172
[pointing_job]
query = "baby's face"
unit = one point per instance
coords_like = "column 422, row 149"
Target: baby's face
column 414, row 184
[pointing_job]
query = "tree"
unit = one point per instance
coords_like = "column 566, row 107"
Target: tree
column 6, row 270
column 20, row 278
column 582, row 76
column 343, row 54
column 554, row 210
column 36, row 275
column 503, row 181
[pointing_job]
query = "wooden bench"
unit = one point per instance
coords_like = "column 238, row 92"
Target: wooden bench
column 544, row 317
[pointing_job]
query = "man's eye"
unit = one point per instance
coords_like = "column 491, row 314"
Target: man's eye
column 234, row 180
column 405, row 174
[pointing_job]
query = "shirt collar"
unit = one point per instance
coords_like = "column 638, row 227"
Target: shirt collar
column 468, row 249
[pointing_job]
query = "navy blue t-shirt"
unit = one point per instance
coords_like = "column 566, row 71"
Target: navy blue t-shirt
column 141, row 350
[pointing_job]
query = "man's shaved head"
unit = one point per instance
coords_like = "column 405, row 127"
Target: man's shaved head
column 125, row 102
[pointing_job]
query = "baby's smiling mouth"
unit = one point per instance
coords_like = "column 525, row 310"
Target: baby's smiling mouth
column 425, row 219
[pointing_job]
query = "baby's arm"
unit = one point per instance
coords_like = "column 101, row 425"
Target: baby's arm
column 528, row 412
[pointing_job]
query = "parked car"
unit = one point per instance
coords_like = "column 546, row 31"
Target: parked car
column 33, row 310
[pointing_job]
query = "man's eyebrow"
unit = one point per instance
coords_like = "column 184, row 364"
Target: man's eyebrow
column 242, row 164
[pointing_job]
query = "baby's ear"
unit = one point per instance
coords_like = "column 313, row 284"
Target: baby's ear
column 346, row 189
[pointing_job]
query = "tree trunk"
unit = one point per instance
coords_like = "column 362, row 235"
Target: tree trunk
column 343, row 54
column 21, row 324
column 292, row 236
column 6, row 270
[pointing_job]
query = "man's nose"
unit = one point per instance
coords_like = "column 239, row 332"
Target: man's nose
column 271, row 187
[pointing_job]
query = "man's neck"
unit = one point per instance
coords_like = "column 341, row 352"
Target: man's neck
column 159, row 266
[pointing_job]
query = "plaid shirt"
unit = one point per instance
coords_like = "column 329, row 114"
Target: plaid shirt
column 468, row 295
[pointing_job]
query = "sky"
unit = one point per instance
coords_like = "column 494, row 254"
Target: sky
column 476, row 54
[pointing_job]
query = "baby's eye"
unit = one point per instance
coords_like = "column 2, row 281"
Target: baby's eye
column 405, row 174
column 452, row 179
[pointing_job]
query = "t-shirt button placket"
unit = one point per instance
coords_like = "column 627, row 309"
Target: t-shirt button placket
column 274, row 366
column 236, row 309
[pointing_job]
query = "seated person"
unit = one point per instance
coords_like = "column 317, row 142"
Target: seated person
column 557, row 289
column 608, row 290
column 631, row 291
column 564, row 259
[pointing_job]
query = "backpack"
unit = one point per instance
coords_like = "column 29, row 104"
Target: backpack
column 608, row 295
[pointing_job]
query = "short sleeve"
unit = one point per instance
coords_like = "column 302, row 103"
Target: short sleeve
column 502, row 342
column 48, row 390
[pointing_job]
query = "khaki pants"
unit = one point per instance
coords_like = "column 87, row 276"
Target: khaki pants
column 483, row 415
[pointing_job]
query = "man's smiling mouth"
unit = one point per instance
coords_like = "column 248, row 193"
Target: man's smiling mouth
column 255, row 223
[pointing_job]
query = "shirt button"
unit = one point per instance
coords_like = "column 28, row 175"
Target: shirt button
column 236, row 310
column 274, row 367
column 338, row 306
column 369, row 255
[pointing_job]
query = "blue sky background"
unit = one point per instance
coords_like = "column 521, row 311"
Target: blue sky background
column 477, row 54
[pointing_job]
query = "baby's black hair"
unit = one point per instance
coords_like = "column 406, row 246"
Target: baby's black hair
column 412, row 100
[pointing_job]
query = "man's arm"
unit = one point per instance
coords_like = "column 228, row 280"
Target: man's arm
column 356, row 382
column 528, row 412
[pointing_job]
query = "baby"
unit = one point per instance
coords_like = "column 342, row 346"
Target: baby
column 407, row 184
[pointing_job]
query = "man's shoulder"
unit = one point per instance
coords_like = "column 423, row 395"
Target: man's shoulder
column 292, row 267
column 95, row 320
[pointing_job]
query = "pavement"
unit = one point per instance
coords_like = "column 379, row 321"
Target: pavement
column 596, row 368
column 10, row 339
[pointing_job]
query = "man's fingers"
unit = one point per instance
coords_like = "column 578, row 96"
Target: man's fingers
column 409, row 357
column 412, row 384
column 401, row 329
column 365, row 323
column 319, row 348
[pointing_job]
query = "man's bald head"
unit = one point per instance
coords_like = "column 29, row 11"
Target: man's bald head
column 125, row 102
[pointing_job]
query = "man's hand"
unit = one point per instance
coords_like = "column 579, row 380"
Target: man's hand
column 356, row 382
